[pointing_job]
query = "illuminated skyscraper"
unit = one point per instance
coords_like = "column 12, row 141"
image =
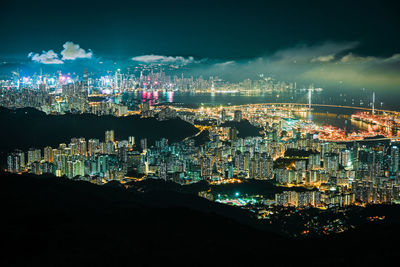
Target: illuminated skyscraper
column 82, row 146
column 143, row 143
column 85, row 79
column 131, row 141
column 93, row 145
column 109, row 148
column 70, row 169
column 15, row 162
column 394, row 154
column 233, row 133
column 109, row 136
column 206, row 167
column 163, row 170
column 345, row 157
column 34, row 155
column 48, row 154
column 223, row 115
column 373, row 103
column 78, row 168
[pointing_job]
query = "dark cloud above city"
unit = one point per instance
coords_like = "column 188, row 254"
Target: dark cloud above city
column 326, row 64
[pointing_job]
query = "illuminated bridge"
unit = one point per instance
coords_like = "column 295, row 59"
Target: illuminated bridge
column 391, row 139
column 307, row 106
column 304, row 105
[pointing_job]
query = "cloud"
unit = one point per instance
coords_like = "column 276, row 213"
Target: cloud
column 327, row 58
column 163, row 59
column 49, row 57
column 73, row 51
column 326, row 65
column 351, row 58
column 226, row 63
column 305, row 54
column 393, row 59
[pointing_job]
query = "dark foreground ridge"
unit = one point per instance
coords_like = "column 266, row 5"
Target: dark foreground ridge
column 50, row 221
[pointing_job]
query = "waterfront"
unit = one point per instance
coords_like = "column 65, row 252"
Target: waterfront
column 361, row 98
column 337, row 117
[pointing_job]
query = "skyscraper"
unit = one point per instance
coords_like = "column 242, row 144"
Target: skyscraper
column 131, row 141
column 223, row 115
column 48, row 154
column 109, row 136
column 85, row 78
column 15, row 162
column 394, row 154
column 93, row 145
column 143, row 143
column 233, row 133
column 34, row 155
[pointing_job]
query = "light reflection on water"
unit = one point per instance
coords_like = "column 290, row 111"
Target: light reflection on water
column 214, row 98
column 320, row 115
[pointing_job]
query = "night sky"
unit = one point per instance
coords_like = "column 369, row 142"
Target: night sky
column 220, row 31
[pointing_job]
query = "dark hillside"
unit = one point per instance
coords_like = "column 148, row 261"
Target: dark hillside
column 50, row 221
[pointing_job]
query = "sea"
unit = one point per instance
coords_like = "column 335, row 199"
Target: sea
column 335, row 116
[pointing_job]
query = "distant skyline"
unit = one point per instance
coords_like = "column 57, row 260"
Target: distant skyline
column 327, row 42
